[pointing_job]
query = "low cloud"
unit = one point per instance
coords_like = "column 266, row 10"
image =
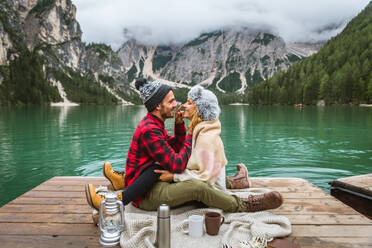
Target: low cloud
column 172, row 21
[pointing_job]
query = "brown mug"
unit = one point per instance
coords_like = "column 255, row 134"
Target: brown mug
column 213, row 221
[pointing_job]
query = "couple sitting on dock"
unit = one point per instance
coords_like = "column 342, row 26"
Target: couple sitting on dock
column 186, row 167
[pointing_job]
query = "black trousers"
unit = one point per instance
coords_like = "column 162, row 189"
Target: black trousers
column 142, row 184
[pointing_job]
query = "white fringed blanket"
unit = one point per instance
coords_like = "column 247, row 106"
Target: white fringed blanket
column 238, row 230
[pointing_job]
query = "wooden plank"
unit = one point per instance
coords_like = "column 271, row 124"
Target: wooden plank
column 333, row 242
column 87, row 218
column 76, row 178
column 284, row 189
column 327, row 219
column 311, row 206
column 48, row 209
column 43, row 241
column 279, row 182
column 304, row 195
column 55, row 194
column 49, row 201
column 299, row 208
column 316, row 219
column 48, row 218
column 48, row 229
column 47, row 187
column 342, row 231
column 48, row 241
column 322, row 201
column 79, row 183
column 351, row 231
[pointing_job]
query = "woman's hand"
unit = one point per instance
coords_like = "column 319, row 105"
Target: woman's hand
column 165, row 176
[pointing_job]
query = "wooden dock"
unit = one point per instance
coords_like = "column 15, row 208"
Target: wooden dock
column 55, row 214
column 355, row 191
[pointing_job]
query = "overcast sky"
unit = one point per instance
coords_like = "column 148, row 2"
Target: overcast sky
column 174, row 21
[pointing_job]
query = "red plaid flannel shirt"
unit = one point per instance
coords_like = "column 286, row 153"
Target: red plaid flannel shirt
column 152, row 144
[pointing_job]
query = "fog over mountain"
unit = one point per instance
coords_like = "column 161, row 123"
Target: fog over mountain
column 171, row 22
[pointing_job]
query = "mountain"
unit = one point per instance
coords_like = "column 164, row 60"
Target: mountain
column 229, row 60
column 340, row 73
column 43, row 60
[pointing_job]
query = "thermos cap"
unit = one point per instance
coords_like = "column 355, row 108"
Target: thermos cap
column 163, row 211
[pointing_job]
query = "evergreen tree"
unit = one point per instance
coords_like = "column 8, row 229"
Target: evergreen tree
column 338, row 73
column 26, row 82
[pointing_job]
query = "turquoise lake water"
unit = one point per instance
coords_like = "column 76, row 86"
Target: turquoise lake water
column 318, row 144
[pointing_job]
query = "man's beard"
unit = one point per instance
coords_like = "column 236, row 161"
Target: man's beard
column 164, row 114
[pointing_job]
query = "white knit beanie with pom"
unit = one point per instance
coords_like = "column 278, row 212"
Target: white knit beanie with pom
column 206, row 102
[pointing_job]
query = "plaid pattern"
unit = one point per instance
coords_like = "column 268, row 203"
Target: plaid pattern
column 151, row 144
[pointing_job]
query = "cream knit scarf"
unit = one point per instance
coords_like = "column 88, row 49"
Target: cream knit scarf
column 207, row 156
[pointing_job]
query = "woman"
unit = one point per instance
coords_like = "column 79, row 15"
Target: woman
column 207, row 161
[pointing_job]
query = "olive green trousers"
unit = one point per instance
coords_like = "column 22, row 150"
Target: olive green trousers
column 176, row 194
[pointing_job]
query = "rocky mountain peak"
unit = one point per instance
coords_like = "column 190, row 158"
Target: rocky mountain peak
column 228, row 60
column 52, row 24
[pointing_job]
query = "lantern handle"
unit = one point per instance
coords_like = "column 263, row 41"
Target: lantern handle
column 100, row 223
column 121, row 205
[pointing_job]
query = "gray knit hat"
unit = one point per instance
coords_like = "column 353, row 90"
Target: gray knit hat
column 206, row 102
column 152, row 93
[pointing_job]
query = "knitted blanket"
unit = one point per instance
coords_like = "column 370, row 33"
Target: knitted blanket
column 238, row 230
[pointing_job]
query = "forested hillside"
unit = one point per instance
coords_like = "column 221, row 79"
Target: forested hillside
column 340, row 73
column 41, row 49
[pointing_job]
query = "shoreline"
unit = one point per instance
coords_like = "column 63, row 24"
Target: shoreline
column 64, row 104
column 239, row 104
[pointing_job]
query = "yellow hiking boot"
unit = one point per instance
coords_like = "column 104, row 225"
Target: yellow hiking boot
column 93, row 198
column 116, row 178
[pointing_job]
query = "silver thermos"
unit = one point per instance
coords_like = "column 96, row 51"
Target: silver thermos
column 163, row 234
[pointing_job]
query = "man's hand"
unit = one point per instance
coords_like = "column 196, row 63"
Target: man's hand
column 179, row 115
column 165, row 176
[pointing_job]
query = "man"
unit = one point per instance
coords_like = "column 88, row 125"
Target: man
column 152, row 148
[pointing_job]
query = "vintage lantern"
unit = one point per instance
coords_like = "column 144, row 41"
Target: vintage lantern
column 111, row 220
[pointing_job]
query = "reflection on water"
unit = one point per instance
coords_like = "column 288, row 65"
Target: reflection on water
column 318, row 144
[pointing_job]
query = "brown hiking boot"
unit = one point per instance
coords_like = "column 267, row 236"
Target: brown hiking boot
column 116, row 178
column 93, row 198
column 240, row 180
column 262, row 202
